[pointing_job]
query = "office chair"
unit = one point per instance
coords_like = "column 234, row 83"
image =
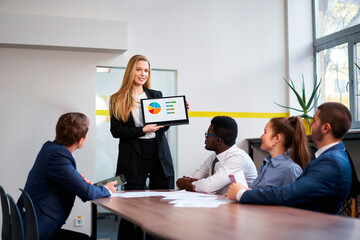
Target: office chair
column 6, row 227
column 353, row 210
column 32, row 230
column 312, row 151
column 17, row 229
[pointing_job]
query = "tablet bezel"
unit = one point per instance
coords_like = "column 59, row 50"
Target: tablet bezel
column 166, row 123
column 120, row 181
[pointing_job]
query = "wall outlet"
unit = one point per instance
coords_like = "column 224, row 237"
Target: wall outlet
column 79, row 221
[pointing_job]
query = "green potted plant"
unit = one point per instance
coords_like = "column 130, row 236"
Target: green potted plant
column 306, row 105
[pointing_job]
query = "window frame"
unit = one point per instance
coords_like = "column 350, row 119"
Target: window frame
column 351, row 37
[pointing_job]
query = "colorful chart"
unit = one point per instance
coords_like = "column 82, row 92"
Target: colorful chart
column 154, row 108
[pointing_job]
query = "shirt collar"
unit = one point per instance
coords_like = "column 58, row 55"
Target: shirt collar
column 223, row 155
column 278, row 159
column 323, row 149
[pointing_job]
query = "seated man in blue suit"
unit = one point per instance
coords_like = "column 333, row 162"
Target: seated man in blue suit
column 326, row 181
column 53, row 181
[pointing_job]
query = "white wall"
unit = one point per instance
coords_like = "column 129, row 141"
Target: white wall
column 230, row 55
column 37, row 86
column 300, row 47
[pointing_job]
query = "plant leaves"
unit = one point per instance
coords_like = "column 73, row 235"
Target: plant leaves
column 292, row 87
column 288, row 107
column 303, row 90
column 357, row 66
column 315, row 89
column 314, row 97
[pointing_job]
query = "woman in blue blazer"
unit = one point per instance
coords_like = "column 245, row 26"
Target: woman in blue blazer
column 53, row 181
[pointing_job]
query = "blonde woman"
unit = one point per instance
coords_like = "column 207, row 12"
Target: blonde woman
column 143, row 150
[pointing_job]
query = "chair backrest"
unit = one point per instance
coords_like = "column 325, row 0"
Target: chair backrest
column 17, row 229
column 312, row 151
column 354, row 190
column 32, row 231
column 6, row 226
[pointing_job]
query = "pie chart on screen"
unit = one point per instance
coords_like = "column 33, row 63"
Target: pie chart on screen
column 154, row 108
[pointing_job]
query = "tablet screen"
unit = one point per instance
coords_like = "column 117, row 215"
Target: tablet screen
column 165, row 111
column 120, row 181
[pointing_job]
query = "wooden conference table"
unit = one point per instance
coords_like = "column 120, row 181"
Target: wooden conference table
column 230, row 221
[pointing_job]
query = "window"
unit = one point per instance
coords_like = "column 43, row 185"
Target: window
column 337, row 50
column 333, row 69
column 336, row 15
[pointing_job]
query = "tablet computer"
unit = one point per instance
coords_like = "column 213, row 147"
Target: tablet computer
column 165, row 111
column 120, row 181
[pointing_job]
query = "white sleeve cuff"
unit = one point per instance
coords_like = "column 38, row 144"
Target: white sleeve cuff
column 240, row 193
column 194, row 185
column 108, row 190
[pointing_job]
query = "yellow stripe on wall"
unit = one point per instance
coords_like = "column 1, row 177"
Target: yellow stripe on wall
column 214, row 114
column 237, row 114
column 102, row 112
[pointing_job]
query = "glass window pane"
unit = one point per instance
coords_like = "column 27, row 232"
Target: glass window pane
column 336, row 15
column 334, row 72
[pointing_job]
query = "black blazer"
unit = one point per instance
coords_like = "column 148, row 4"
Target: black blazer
column 129, row 158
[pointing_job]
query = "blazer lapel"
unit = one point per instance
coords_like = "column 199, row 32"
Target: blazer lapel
column 149, row 93
column 135, row 143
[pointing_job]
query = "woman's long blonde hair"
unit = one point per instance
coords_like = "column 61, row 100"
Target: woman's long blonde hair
column 122, row 102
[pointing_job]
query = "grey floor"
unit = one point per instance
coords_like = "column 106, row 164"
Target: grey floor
column 107, row 226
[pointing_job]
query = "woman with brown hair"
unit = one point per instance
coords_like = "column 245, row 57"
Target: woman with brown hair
column 285, row 140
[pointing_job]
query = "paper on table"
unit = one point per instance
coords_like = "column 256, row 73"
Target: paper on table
column 238, row 177
column 137, row 194
column 146, row 194
column 210, row 203
column 189, row 195
column 180, row 198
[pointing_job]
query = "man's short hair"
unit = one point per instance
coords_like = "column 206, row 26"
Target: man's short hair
column 225, row 128
column 71, row 127
column 337, row 115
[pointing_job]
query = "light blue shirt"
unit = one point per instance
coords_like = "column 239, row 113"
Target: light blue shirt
column 277, row 171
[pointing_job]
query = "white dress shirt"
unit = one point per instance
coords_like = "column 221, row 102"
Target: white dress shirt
column 230, row 161
column 323, row 149
column 137, row 115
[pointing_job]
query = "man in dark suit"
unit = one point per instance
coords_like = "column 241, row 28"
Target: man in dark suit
column 326, row 181
column 53, row 181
